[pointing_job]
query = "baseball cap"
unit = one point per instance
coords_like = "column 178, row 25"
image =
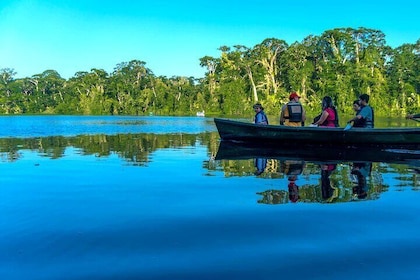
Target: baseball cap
column 293, row 95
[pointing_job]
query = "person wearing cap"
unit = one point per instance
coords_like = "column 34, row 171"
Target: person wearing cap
column 260, row 116
column 366, row 115
column 292, row 168
column 292, row 113
column 293, row 189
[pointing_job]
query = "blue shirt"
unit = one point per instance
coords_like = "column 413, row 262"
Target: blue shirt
column 367, row 114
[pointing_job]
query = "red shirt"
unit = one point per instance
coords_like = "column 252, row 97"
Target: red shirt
column 330, row 119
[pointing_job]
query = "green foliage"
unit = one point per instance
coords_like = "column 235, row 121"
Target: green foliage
column 342, row 63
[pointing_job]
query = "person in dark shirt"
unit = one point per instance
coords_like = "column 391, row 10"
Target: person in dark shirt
column 366, row 113
column 357, row 107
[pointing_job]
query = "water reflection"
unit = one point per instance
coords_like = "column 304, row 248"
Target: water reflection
column 329, row 192
column 162, row 205
column 330, row 175
column 136, row 149
column 336, row 183
column 303, row 175
column 260, row 164
column 292, row 169
column 361, row 171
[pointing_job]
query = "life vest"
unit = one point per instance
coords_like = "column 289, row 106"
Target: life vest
column 292, row 167
column 366, row 122
column 263, row 117
column 294, row 112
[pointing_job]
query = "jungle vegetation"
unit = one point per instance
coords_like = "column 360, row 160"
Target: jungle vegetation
column 342, row 63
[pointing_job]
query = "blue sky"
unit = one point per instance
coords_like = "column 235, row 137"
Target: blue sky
column 171, row 36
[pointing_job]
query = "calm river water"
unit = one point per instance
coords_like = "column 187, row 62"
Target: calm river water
column 148, row 198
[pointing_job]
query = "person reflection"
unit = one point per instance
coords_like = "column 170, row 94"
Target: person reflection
column 327, row 190
column 360, row 171
column 293, row 168
column 260, row 165
column 293, row 188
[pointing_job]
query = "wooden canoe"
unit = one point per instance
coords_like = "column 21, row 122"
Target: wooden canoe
column 233, row 130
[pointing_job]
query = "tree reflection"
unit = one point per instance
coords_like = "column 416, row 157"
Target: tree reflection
column 134, row 148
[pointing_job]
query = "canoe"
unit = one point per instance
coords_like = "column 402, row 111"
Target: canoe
column 233, row 130
column 229, row 150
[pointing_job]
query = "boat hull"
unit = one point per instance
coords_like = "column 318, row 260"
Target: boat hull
column 229, row 150
column 278, row 135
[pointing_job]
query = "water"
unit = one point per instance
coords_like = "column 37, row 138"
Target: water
column 144, row 198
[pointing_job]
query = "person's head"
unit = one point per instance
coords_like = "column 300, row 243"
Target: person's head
column 327, row 102
column 294, row 96
column 356, row 105
column 258, row 107
column 364, row 99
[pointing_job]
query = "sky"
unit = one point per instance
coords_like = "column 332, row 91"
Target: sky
column 171, row 36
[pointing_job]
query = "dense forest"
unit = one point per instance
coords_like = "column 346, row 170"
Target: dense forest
column 342, row 63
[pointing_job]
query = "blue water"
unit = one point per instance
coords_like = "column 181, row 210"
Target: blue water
column 41, row 126
column 182, row 215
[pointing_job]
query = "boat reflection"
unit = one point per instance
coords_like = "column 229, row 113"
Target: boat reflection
column 316, row 153
column 330, row 174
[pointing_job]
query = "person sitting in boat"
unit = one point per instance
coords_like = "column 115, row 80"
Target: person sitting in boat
column 366, row 113
column 293, row 113
column 260, row 116
column 329, row 116
column 357, row 107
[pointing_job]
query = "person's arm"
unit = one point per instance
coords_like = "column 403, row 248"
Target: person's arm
column 282, row 115
column 323, row 117
column 358, row 117
column 264, row 120
column 303, row 117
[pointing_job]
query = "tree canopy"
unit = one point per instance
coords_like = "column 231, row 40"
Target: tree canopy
column 342, row 63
